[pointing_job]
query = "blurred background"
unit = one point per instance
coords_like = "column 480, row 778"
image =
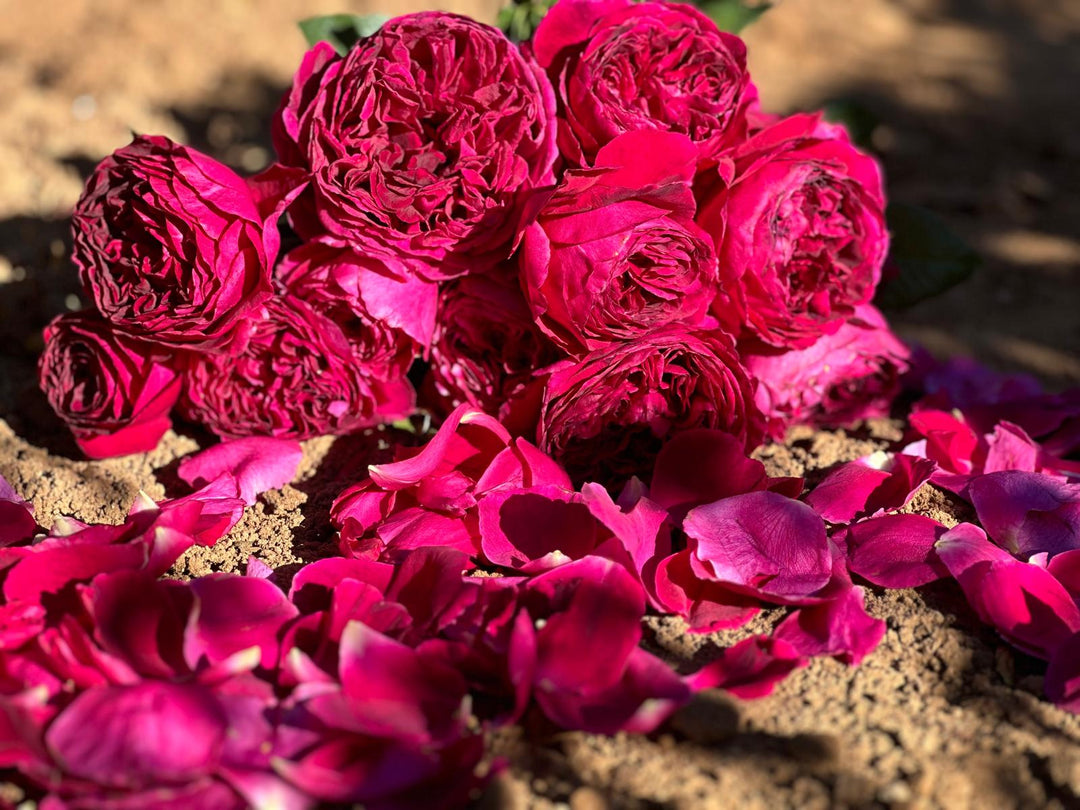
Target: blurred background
column 970, row 104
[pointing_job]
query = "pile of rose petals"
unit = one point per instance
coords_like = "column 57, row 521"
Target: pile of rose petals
column 478, row 587
column 597, row 236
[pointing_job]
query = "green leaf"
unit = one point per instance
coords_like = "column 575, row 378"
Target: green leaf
column 518, row 18
column 929, row 257
column 858, row 119
column 341, row 30
column 733, row 15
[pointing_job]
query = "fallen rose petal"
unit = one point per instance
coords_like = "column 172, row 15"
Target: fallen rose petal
column 1026, row 512
column 17, row 522
column 543, row 525
column 706, row 606
column 413, row 470
column 895, row 551
column 760, row 541
column 258, row 463
column 1024, row 602
column 701, row 466
column 143, row 734
column 839, row 627
column 1063, row 675
column 868, row 485
column 749, row 669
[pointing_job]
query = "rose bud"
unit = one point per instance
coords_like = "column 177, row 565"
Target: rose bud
column 615, row 252
column 297, row 377
column 620, row 66
column 605, row 416
column 799, row 230
column 852, row 374
column 386, row 319
column 170, row 246
column 422, row 143
column 486, row 347
column 115, row 393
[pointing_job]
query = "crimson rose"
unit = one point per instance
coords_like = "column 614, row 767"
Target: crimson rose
column 170, row 246
column 423, row 142
column 619, row 66
column 606, row 415
column 799, row 225
column 114, row 392
column 486, row 348
column 615, row 252
column 297, row 377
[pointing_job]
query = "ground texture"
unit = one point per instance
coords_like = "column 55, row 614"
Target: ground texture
column 975, row 101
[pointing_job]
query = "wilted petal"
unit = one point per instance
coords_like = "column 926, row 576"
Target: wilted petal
column 519, row 526
column 1024, row 602
column 701, row 466
column 1026, row 512
column 895, row 551
column 142, row 735
column 16, row 516
column 864, row 487
column 258, row 463
column 763, row 542
column 839, row 627
column 750, row 669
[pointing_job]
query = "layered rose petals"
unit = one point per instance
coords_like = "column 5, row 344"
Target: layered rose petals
column 296, row 378
column 800, row 231
column 422, row 144
column 114, row 392
column 615, row 252
column 620, row 66
column 170, row 245
column 606, row 416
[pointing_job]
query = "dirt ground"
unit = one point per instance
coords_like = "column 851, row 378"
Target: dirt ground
column 976, row 104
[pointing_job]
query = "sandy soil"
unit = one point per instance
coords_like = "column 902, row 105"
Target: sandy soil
column 976, row 104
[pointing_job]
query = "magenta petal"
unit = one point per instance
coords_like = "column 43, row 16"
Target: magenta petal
column 406, row 473
column 234, row 613
column 1026, row 512
column 702, row 466
column 518, row 526
column 392, row 691
column 16, row 516
column 259, row 463
column 584, row 646
column 895, row 551
column 145, row 734
column 761, row 541
column 706, row 605
column 750, row 669
column 839, row 627
column 20, row 622
column 646, row 695
column 871, row 484
column 1024, row 602
column 1063, row 675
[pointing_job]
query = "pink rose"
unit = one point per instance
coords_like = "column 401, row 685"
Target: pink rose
column 423, row 142
column 297, row 377
column 799, row 224
column 620, row 66
column 115, row 393
column 852, row 374
column 615, row 252
column 486, row 347
column 170, row 246
column 606, row 415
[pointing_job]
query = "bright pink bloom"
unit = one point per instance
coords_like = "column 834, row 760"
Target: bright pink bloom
column 620, row 66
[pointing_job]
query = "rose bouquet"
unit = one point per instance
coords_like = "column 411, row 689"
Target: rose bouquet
column 609, row 276
column 596, row 235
